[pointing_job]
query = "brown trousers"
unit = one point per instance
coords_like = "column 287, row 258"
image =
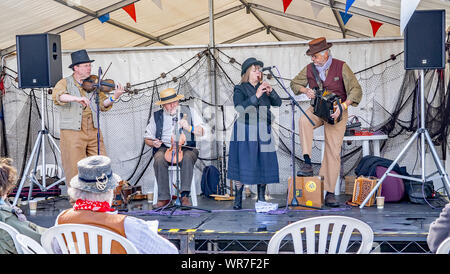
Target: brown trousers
column 77, row 145
column 333, row 138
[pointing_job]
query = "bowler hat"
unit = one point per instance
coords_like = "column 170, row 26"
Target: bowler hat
column 95, row 175
column 318, row 45
column 248, row 63
column 80, row 57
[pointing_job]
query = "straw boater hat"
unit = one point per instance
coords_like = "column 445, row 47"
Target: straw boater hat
column 95, row 175
column 80, row 57
column 318, row 45
column 168, row 96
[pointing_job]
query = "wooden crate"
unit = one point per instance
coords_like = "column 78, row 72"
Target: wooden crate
column 308, row 191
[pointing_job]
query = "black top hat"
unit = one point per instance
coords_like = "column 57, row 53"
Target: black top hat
column 248, row 63
column 80, row 57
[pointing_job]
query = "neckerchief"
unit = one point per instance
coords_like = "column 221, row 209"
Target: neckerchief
column 323, row 69
column 92, row 205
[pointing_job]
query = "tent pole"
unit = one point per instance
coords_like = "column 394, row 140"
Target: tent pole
column 212, row 75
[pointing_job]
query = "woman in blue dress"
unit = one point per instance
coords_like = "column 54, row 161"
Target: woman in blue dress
column 252, row 158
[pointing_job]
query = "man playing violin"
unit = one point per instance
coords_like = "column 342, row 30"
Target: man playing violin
column 77, row 114
column 161, row 136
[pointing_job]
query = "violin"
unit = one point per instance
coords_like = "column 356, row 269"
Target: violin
column 171, row 153
column 90, row 84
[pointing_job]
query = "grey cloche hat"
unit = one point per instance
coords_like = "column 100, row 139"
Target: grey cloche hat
column 95, row 175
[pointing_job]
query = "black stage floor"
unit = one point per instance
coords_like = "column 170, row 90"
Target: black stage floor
column 398, row 228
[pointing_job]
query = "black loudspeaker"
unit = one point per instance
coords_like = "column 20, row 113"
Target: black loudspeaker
column 39, row 61
column 425, row 40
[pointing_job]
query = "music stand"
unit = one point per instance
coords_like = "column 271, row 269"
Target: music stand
column 177, row 204
column 39, row 147
column 423, row 134
column 294, row 104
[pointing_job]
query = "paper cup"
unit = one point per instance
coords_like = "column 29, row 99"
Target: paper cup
column 150, row 197
column 32, row 204
column 380, row 202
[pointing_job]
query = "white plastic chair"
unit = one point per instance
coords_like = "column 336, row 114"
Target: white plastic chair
column 324, row 223
column 28, row 245
column 172, row 181
column 13, row 233
column 444, row 247
column 75, row 246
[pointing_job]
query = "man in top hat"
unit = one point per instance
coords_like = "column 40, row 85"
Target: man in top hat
column 336, row 77
column 160, row 135
column 92, row 189
column 77, row 114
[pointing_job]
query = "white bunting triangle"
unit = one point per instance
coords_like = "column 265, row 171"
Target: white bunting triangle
column 158, row 3
column 316, row 8
column 80, row 30
column 406, row 11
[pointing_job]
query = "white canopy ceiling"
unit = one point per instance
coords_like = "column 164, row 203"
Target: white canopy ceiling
column 185, row 22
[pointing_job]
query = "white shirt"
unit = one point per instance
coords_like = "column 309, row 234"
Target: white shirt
column 169, row 126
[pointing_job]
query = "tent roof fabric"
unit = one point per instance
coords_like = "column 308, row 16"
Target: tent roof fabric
column 185, row 22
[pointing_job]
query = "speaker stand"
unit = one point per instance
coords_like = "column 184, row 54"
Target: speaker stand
column 423, row 134
column 40, row 144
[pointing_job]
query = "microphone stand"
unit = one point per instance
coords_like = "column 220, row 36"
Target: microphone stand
column 97, row 102
column 294, row 104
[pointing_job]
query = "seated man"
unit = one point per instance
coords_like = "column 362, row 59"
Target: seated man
column 160, row 134
column 12, row 215
column 93, row 191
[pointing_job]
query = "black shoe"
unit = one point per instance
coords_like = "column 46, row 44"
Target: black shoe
column 306, row 170
column 330, row 200
column 261, row 192
column 238, row 198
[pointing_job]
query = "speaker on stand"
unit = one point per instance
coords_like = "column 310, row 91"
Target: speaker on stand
column 39, row 65
column 424, row 49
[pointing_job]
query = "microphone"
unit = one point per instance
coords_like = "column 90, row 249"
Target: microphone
column 267, row 68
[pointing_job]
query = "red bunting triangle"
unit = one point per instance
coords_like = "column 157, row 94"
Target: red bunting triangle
column 131, row 11
column 286, row 4
column 375, row 26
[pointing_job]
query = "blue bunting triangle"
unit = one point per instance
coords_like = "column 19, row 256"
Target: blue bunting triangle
column 104, row 18
column 348, row 4
column 345, row 16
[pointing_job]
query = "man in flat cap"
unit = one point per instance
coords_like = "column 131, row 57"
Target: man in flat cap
column 336, row 77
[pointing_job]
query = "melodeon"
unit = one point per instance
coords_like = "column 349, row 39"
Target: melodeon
column 325, row 104
column 363, row 186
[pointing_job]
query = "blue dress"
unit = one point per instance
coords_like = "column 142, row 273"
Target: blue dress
column 252, row 155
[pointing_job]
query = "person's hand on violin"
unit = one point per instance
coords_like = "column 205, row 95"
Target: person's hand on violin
column 183, row 123
column 119, row 91
column 157, row 143
column 82, row 100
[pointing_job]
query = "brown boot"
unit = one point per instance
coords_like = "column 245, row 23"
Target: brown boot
column 330, row 200
column 161, row 203
column 185, row 201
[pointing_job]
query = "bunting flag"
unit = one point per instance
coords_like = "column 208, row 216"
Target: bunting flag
column 286, row 4
column 348, row 4
column 158, row 3
column 80, row 30
column 316, row 8
column 345, row 16
column 131, row 11
column 375, row 26
column 104, row 18
column 407, row 9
